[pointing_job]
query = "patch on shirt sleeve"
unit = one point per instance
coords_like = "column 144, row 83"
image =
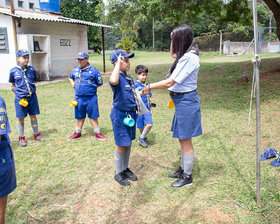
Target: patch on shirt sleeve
column 2, row 110
column 2, row 118
column 3, row 126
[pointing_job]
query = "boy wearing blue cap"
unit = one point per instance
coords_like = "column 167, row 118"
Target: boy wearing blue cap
column 23, row 77
column 85, row 79
column 144, row 121
column 124, row 104
column 7, row 164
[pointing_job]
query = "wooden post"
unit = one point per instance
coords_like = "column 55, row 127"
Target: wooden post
column 221, row 40
column 103, row 48
column 14, row 24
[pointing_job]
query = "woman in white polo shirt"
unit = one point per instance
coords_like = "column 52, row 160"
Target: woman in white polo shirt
column 182, row 85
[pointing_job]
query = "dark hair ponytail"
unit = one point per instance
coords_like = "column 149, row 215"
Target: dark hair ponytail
column 182, row 40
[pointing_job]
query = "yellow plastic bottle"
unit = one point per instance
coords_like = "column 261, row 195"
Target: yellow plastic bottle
column 23, row 102
column 73, row 103
column 170, row 104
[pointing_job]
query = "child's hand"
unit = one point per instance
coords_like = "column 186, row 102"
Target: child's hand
column 120, row 59
column 146, row 90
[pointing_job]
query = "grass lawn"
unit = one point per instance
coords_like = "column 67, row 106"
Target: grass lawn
column 62, row 181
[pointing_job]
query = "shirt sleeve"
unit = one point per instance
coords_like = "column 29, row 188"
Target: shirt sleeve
column 99, row 80
column 4, row 127
column 184, row 67
column 11, row 77
column 35, row 74
column 71, row 76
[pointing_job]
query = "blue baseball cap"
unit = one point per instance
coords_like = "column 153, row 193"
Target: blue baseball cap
column 82, row 55
column 268, row 153
column 114, row 56
column 22, row 52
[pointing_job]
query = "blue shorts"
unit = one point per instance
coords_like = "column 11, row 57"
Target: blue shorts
column 87, row 105
column 7, row 170
column 31, row 109
column 187, row 118
column 144, row 119
column 123, row 134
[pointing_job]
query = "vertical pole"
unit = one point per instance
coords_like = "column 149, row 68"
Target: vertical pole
column 14, row 25
column 153, row 33
column 257, row 81
column 103, row 48
column 221, row 40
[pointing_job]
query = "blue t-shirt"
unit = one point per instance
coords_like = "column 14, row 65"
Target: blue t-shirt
column 139, row 86
column 86, row 80
column 4, row 123
column 17, row 77
column 123, row 98
column 185, row 73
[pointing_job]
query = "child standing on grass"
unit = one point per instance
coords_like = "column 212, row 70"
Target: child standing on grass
column 23, row 78
column 7, row 164
column 85, row 79
column 124, row 104
column 144, row 121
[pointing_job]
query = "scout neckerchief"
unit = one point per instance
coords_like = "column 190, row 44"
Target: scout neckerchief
column 80, row 74
column 148, row 95
column 130, row 81
column 25, row 78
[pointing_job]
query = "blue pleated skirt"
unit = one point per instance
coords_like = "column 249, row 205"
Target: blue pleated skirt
column 187, row 118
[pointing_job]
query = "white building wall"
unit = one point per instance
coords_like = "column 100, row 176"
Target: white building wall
column 7, row 60
column 66, row 40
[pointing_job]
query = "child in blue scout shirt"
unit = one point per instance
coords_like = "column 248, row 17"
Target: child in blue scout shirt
column 7, row 164
column 23, row 78
column 144, row 121
column 86, row 79
column 124, row 104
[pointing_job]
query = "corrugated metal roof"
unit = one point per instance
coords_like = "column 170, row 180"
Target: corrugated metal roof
column 47, row 17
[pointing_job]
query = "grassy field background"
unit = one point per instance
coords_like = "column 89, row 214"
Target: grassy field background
column 62, row 181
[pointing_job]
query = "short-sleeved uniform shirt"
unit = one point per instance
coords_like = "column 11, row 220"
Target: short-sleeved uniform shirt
column 24, row 90
column 187, row 118
column 7, row 165
column 146, row 118
column 17, row 77
column 86, row 82
column 123, row 105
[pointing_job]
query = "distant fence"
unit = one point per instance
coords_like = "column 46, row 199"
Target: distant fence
column 230, row 47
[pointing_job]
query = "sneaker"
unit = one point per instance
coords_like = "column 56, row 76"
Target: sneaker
column 121, row 178
column 130, row 175
column 177, row 174
column 184, row 180
column 142, row 142
column 39, row 137
column 100, row 137
column 74, row 136
column 22, row 141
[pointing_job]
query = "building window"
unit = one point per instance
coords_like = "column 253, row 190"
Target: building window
column 4, row 45
column 8, row 2
column 20, row 4
column 31, row 5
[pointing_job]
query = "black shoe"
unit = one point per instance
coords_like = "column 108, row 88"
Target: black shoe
column 177, row 174
column 142, row 142
column 130, row 175
column 121, row 178
column 184, row 180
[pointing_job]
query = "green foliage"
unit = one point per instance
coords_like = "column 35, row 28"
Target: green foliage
column 126, row 44
column 87, row 10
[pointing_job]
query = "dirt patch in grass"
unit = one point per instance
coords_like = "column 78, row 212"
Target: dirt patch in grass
column 215, row 215
column 270, row 74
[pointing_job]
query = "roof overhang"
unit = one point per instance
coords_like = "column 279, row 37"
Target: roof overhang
column 43, row 16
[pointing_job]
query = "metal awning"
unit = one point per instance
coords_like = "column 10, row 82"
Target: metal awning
column 46, row 16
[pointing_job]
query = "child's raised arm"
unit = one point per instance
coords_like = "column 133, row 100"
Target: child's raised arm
column 114, row 78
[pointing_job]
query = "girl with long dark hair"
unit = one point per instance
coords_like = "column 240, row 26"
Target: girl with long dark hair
column 182, row 85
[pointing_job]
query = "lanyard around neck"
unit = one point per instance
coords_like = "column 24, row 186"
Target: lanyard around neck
column 80, row 74
column 25, row 78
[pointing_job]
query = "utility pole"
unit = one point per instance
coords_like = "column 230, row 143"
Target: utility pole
column 153, row 33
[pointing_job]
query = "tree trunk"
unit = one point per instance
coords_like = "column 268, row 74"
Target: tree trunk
column 274, row 6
